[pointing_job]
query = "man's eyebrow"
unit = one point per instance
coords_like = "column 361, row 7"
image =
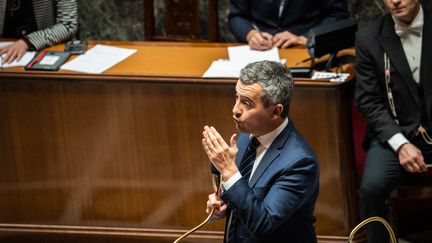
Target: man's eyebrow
column 246, row 98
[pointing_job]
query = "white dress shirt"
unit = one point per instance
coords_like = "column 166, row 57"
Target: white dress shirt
column 411, row 39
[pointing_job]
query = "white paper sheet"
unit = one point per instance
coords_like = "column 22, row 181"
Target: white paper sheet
column 244, row 54
column 239, row 57
column 28, row 56
column 223, row 69
column 98, row 59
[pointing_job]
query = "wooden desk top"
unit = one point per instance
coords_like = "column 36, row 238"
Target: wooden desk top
column 168, row 61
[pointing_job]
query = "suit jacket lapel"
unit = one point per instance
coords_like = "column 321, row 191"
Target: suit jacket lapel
column 392, row 45
column 2, row 15
column 285, row 5
column 426, row 60
column 272, row 153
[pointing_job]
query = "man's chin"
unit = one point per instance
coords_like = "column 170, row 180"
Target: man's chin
column 399, row 13
column 239, row 127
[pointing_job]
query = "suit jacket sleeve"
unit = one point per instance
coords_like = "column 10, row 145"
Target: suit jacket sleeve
column 335, row 10
column 263, row 209
column 239, row 19
column 65, row 27
column 370, row 94
column 299, row 15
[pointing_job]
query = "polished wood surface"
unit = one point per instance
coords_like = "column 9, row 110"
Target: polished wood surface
column 120, row 153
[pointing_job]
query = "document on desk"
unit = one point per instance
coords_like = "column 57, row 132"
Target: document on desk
column 28, row 56
column 239, row 57
column 98, row 59
column 244, row 54
column 223, row 68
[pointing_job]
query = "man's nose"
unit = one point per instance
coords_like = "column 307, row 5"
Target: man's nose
column 236, row 110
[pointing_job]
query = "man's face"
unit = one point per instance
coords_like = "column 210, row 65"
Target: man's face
column 404, row 10
column 249, row 113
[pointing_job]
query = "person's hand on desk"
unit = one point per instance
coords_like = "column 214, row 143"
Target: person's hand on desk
column 259, row 40
column 14, row 51
column 220, row 154
column 286, row 39
column 411, row 158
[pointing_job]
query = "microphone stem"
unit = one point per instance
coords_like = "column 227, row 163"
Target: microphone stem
column 196, row 227
column 216, row 179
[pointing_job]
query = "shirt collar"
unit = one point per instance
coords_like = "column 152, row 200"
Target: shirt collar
column 415, row 27
column 267, row 139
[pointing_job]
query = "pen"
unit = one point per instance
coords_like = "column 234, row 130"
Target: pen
column 37, row 59
column 304, row 60
column 259, row 31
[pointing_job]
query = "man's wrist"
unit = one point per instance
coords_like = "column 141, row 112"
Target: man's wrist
column 250, row 34
column 30, row 46
column 227, row 183
column 400, row 147
column 228, row 173
column 301, row 40
column 396, row 141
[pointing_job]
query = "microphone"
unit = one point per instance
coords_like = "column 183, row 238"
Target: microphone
column 216, row 179
column 216, row 187
column 213, row 170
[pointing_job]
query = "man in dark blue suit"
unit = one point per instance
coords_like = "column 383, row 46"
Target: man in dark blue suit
column 281, row 23
column 270, row 175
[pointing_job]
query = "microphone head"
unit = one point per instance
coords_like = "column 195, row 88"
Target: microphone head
column 214, row 170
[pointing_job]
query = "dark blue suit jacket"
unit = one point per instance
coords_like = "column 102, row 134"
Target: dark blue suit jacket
column 278, row 202
column 299, row 16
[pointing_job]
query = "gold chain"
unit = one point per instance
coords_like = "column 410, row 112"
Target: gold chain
column 424, row 134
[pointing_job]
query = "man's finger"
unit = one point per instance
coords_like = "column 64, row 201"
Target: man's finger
column 206, row 147
column 220, row 141
column 279, row 43
column 20, row 55
column 289, row 42
column 408, row 168
column 10, row 56
column 233, row 141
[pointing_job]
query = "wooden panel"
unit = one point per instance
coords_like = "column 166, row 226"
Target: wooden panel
column 117, row 152
column 322, row 115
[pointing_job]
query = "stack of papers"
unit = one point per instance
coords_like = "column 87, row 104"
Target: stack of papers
column 239, row 57
column 28, row 56
column 98, row 59
column 334, row 77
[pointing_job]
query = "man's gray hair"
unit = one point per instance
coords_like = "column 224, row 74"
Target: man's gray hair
column 274, row 78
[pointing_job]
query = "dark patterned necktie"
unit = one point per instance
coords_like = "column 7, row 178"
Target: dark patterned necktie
column 245, row 168
column 248, row 159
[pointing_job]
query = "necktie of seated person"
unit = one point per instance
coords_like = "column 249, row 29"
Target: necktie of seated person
column 245, row 168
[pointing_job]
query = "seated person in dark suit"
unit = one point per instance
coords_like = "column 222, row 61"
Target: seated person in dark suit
column 394, row 94
column 281, row 23
column 37, row 24
column 270, row 174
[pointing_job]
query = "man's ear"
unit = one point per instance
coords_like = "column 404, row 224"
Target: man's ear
column 277, row 110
